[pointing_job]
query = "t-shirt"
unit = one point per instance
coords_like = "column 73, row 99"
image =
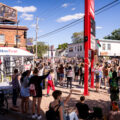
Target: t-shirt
column 61, row 70
column 83, row 110
column 76, row 69
column 69, row 73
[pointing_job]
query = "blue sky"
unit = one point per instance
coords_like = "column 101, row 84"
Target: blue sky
column 57, row 13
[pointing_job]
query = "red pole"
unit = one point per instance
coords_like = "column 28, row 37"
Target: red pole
column 86, row 44
column 92, row 67
column 92, row 5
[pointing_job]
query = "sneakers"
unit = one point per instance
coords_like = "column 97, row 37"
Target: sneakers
column 39, row 117
column 34, row 116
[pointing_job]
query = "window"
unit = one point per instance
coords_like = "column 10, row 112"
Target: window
column 18, row 38
column 109, row 46
column 103, row 46
column 75, row 48
column 80, row 48
column 2, row 38
column 71, row 49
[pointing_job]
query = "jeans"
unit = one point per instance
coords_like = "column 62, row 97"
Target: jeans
column 73, row 116
column 69, row 81
column 15, row 96
column 81, row 79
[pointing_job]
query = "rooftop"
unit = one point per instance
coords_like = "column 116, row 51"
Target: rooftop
column 13, row 27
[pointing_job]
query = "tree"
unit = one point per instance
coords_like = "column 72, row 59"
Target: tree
column 62, row 46
column 41, row 49
column 77, row 37
column 115, row 35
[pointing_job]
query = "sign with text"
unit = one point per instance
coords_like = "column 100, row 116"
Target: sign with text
column 30, row 42
column 92, row 8
column 7, row 14
column 93, row 43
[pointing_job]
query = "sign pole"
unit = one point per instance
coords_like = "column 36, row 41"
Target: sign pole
column 92, row 69
column 86, row 44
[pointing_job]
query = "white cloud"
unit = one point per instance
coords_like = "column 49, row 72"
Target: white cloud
column 26, row 16
column 99, row 27
column 73, row 9
column 70, row 17
column 65, row 5
column 25, row 9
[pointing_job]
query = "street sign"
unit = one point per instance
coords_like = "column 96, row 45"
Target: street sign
column 92, row 8
column 92, row 34
column 30, row 42
column 93, row 42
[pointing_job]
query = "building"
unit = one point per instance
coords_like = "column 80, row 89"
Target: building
column 10, row 34
column 62, row 53
column 110, row 48
column 50, row 54
column 76, row 50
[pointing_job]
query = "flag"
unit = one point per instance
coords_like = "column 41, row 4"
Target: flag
column 98, row 43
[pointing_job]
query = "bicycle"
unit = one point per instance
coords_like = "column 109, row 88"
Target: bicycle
column 3, row 103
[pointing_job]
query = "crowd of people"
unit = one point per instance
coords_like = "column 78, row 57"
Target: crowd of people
column 63, row 71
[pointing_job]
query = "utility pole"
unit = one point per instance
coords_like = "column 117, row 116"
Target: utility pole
column 37, row 19
column 17, row 36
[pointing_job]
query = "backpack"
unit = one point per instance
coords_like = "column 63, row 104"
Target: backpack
column 98, row 112
column 32, row 90
column 51, row 114
column 83, row 70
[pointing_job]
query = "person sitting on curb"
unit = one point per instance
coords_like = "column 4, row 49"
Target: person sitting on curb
column 82, row 109
column 58, row 107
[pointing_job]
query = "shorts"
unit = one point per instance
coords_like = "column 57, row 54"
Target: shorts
column 97, row 79
column 61, row 75
column 24, row 92
column 76, row 74
column 38, row 94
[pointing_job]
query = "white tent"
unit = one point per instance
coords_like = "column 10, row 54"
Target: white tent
column 8, row 54
column 9, row 51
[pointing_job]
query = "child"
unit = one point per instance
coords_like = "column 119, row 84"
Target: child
column 50, row 82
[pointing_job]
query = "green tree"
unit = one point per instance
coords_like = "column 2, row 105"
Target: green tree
column 77, row 37
column 63, row 46
column 115, row 35
column 41, row 49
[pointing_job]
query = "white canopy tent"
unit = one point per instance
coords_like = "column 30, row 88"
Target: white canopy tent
column 9, row 54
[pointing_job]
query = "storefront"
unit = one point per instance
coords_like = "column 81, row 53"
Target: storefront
column 12, row 58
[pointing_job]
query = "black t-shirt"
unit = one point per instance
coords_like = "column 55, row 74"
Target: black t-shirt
column 83, row 110
column 36, row 80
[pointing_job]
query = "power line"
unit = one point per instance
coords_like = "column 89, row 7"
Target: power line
column 107, row 5
column 79, row 20
column 108, row 8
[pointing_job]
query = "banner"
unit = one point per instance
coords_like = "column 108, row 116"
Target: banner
column 7, row 14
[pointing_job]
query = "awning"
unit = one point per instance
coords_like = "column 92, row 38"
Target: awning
column 10, row 51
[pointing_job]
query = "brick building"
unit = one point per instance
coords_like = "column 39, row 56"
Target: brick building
column 9, row 33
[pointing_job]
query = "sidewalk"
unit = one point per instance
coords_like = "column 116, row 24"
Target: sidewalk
column 101, row 99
